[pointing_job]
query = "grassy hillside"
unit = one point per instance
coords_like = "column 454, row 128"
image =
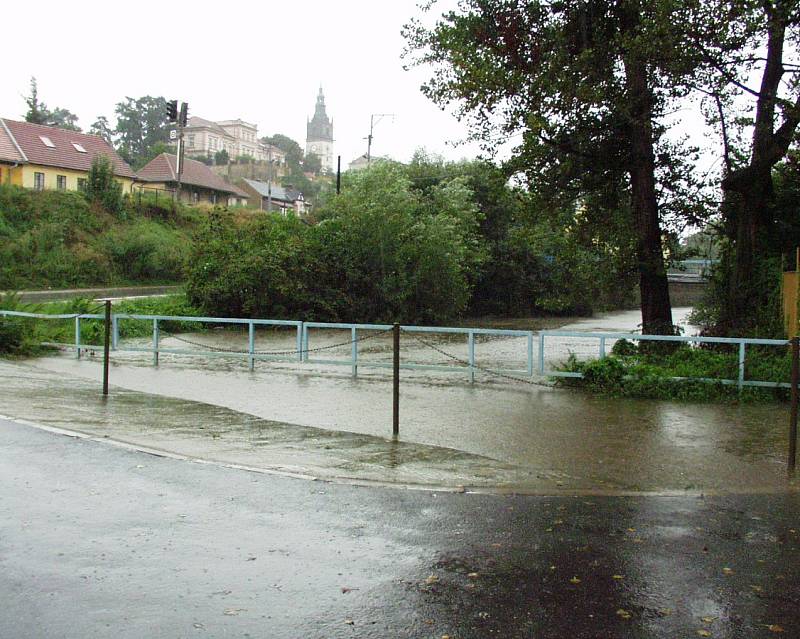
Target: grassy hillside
column 58, row 239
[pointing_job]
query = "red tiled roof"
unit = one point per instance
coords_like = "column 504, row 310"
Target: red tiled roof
column 8, row 149
column 162, row 168
column 63, row 154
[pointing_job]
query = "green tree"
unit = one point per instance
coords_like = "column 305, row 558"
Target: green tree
column 141, row 123
column 752, row 84
column 585, row 87
column 38, row 113
column 312, row 163
column 100, row 127
column 102, row 186
column 221, row 157
column 293, row 151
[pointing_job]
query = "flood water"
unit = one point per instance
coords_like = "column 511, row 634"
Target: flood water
column 499, row 432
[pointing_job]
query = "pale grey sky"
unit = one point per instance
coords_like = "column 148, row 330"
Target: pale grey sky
column 259, row 61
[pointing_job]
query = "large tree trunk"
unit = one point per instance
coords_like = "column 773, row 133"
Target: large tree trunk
column 748, row 191
column 653, row 284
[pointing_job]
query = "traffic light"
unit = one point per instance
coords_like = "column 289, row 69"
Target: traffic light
column 184, row 113
column 172, row 111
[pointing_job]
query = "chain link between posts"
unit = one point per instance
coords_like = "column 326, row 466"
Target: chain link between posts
column 488, row 371
column 295, row 351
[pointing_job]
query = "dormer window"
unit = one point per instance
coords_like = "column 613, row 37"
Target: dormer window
column 78, row 147
column 47, row 141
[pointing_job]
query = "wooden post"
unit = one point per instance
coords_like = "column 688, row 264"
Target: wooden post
column 396, row 382
column 794, row 398
column 106, row 346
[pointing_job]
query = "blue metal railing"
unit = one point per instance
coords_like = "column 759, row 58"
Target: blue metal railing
column 303, row 352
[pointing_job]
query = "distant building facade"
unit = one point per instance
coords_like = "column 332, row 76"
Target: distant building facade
column 236, row 137
column 319, row 135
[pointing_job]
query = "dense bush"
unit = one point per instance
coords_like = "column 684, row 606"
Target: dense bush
column 378, row 255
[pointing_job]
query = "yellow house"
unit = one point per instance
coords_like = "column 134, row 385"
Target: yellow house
column 44, row 157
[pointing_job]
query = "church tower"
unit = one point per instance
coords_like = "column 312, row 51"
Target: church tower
column 319, row 135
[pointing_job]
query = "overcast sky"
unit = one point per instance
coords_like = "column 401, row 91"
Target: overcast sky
column 262, row 62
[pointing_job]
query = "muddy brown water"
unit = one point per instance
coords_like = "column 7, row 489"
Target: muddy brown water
column 496, row 432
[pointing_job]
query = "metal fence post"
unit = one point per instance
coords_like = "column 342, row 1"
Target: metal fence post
column 155, row 342
column 301, row 328
column 471, row 343
column 304, row 345
column 602, row 347
column 794, row 401
column 396, row 381
column 541, row 353
column 114, row 331
column 354, row 351
column 740, row 382
column 530, row 354
column 251, row 344
column 77, row 337
column 106, row 345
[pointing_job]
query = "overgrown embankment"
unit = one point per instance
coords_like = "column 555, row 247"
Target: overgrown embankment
column 60, row 239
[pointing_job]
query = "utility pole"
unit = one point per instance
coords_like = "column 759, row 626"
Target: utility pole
column 269, row 180
column 372, row 123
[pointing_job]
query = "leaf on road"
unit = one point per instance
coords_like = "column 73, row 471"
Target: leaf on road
column 617, row 577
column 773, row 627
column 727, row 571
column 432, row 579
column 623, row 614
column 233, row 611
column 703, row 633
column 574, row 580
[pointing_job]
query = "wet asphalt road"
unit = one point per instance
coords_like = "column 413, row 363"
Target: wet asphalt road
column 99, row 541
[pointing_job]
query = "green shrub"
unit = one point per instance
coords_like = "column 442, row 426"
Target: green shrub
column 629, row 373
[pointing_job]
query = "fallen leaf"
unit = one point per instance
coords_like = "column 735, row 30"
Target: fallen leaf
column 233, row 611
column 432, row 579
column 756, row 588
column 727, row 571
column 624, row 614
column 664, row 612
column 773, row 627
column 707, row 619
column 198, row 626
column 473, row 575
column 704, row 633
column 428, row 621
column 350, row 622
column 617, row 577
column 574, row 580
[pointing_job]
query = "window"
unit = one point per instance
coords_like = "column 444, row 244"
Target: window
column 47, row 141
column 82, row 185
column 191, row 141
column 78, row 147
column 61, row 182
column 38, row 181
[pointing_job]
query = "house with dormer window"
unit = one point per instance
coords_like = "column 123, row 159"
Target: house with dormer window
column 41, row 157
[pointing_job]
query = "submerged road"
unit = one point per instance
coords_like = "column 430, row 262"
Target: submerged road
column 100, row 541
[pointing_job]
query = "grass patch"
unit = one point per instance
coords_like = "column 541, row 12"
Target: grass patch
column 629, row 372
